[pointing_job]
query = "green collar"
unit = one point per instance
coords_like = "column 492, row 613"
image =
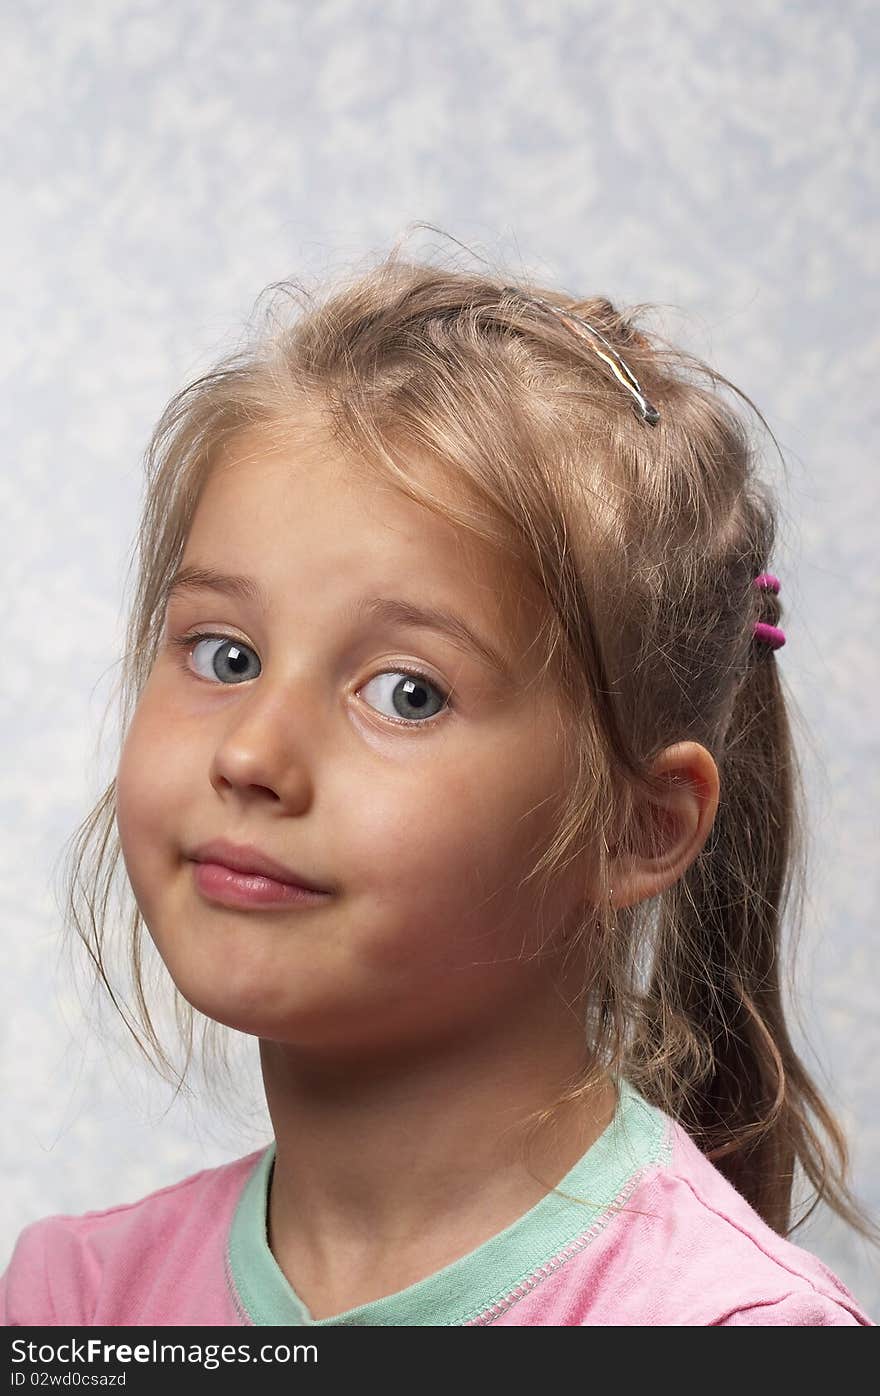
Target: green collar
column 460, row 1292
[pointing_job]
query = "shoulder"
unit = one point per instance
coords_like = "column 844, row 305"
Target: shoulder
column 708, row 1258
column 62, row 1266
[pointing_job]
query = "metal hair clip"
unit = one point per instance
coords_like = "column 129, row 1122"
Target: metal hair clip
column 621, row 371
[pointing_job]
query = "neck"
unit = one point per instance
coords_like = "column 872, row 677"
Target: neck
column 393, row 1165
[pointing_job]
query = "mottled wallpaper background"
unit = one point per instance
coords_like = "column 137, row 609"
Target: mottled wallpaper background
column 164, row 162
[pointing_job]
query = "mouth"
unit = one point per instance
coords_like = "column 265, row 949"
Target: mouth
column 245, row 890
column 251, row 864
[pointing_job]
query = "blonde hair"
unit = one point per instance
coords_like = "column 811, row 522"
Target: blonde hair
column 645, row 541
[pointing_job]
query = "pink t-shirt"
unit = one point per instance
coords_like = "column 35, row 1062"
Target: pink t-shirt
column 654, row 1235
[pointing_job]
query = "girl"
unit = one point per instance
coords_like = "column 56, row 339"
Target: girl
column 456, row 769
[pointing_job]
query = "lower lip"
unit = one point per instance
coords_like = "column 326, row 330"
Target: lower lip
column 230, row 888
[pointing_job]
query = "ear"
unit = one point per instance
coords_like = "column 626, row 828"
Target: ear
column 671, row 828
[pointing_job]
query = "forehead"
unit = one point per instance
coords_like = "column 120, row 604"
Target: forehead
column 275, row 488
column 303, row 518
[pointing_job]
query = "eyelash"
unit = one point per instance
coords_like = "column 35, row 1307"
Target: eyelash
column 184, row 644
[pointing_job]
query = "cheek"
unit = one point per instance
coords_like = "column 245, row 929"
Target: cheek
column 150, row 787
column 459, row 837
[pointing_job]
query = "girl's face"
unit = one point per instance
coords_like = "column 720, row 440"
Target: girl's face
column 296, row 728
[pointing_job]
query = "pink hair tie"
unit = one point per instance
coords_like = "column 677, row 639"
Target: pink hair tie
column 768, row 634
column 767, row 582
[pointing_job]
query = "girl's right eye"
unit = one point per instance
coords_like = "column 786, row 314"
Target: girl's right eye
column 236, row 657
column 410, row 689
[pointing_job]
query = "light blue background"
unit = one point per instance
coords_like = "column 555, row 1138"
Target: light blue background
column 163, row 162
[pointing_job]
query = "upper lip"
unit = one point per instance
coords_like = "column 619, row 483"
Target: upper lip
column 246, row 859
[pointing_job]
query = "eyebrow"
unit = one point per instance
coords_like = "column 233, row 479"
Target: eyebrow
column 390, row 609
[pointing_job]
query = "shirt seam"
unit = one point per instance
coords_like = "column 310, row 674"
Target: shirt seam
column 774, row 1303
column 574, row 1247
column 775, row 1260
column 237, row 1301
column 245, row 1299
column 489, row 1313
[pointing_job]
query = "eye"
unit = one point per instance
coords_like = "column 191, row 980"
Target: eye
column 229, row 662
column 408, row 693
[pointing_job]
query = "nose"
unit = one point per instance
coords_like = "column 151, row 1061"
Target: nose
column 267, row 743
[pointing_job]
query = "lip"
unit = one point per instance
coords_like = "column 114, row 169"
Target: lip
column 250, row 891
column 244, row 859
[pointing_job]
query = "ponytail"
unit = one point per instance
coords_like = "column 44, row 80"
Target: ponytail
column 712, row 1046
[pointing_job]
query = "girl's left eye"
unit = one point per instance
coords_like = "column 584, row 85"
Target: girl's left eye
column 409, row 692
column 406, row 689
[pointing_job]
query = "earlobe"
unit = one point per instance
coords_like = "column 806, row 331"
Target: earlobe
column 672, row 826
